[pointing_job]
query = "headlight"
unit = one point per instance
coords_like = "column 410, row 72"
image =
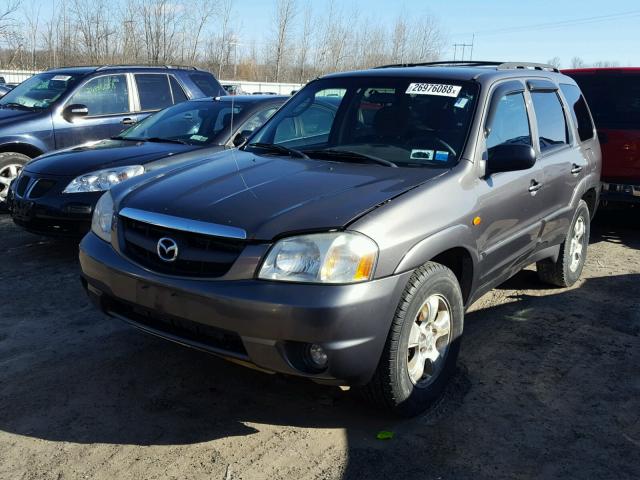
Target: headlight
column 103, row 217
column 102, row 180
column 337, row 257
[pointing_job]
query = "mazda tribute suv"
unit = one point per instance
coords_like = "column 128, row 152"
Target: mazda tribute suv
column 345, row 239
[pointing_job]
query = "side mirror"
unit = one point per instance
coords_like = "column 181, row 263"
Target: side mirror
column 241, row 138
column 509, row 158
column 75, row 110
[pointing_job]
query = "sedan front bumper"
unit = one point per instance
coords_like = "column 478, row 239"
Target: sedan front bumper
column 262, row 323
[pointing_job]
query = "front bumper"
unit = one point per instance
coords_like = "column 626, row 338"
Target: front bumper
column 261, row 323
column 50, row 212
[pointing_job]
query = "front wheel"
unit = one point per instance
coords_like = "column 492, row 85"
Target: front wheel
column 566, row 270
column 10, row 165
column 421, row 350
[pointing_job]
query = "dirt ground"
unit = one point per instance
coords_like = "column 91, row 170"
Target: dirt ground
column 548, row 387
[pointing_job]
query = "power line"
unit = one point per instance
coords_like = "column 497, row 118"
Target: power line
column 559, row 24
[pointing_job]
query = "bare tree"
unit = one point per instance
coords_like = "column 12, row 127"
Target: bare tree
column 304, row 42
column 554, row 62
column 284, row 17
column 577, row 62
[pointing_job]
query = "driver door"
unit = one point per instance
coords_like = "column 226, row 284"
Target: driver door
column 109, row 106
column 510, row 203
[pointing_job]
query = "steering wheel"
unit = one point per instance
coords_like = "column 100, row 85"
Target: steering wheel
column 448, row 147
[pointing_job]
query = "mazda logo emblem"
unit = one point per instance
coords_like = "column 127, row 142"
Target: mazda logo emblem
column 167, row 249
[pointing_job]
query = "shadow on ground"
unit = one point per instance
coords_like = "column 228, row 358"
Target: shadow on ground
column 547, row 385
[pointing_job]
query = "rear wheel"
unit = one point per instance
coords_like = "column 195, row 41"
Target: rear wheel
column 10, row 165
column 422, row 347
column 566, row 270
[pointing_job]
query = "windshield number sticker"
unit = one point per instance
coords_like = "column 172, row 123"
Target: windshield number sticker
column 438, row 89
column 61, row 78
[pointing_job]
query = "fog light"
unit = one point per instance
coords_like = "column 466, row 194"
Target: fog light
column 317, row 356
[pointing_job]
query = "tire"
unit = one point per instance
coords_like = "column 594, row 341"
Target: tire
column 10, row 165
column 395, row 385
column 566, row 270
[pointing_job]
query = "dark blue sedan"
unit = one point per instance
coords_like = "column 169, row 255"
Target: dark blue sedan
column 56, row 192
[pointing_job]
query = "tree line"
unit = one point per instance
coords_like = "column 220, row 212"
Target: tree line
column 305, row 38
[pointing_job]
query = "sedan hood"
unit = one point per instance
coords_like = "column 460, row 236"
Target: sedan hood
column 102, row 154
column 269, row 196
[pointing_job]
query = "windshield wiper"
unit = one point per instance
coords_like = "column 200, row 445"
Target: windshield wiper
column 334, row 154
column 163, row 140
column 292, row 152
column 16, row 105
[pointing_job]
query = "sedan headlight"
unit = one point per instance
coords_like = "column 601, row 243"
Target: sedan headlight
column 336, row 257
column 103, row 217
column 102, row 180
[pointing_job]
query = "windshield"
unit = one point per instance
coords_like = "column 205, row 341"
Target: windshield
column 614, row 99
column 195, row 123
column 404, row 121
column 39, row 91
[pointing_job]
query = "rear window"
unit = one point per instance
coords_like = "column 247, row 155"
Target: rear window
column 579, row 111
column 153, row 90
column 552, row 126
column 614, row 99
column 207, row 84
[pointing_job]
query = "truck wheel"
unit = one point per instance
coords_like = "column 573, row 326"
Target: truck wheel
column 10, row 166
column 565, row 271
column 423, row 343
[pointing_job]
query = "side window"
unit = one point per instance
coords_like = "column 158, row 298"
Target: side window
column 579, row 111
column 510, row 123
column 153, row 91
column 552, row 126
column 207, row 84
column 257, row 119
column 178, row 92
column 314, row 121
column 104, row 95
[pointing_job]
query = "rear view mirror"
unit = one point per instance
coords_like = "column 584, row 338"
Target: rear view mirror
column 241, row 138
column 509, row 158
column 75, row 110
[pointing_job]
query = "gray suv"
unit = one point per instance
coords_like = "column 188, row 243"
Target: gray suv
column 345, row 239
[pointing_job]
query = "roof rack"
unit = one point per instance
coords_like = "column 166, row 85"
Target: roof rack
column 181, row 67
column 479, row 63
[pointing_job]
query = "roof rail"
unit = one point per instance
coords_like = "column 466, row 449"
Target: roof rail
column 447, row 63
column 479, row 63
column 181, row 67
column 527, row 66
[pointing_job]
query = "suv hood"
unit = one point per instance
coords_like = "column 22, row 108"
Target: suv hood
column 268, row 196
column 103, row 154
column 9, row 116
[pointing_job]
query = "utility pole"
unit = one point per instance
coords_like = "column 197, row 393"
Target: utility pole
column 463, row 46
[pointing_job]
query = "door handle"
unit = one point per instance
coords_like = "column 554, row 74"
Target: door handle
column 534, row 187
column 576, row 169
column 128, row 121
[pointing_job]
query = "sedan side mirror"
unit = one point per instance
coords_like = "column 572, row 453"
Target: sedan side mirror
column 74, row 111
column 509, row 158
column 241, row 138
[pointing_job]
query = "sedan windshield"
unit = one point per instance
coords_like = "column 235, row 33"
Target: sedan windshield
column 195, row 123
column 39, row 91
column 387, row 121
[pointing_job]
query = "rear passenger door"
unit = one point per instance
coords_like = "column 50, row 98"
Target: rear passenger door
column 561, row 158
column 153, row 92
column 109, row 105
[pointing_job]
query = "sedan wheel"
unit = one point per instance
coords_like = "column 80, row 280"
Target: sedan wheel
column 8, row 173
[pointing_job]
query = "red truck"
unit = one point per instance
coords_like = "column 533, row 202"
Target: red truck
column 613, row 95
